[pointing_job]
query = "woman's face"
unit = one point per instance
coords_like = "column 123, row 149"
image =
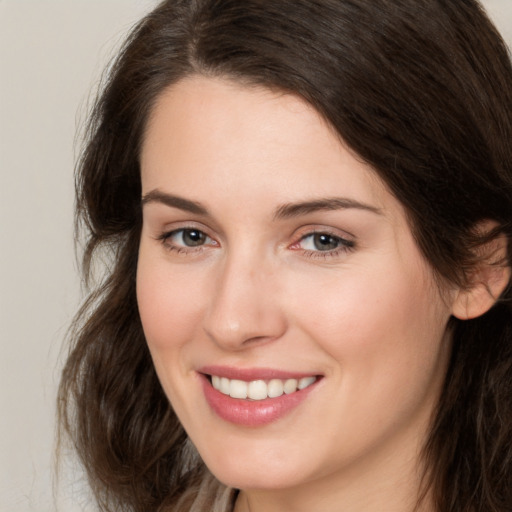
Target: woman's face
column 272, row 259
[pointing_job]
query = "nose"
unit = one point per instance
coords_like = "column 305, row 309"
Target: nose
column 244, row 308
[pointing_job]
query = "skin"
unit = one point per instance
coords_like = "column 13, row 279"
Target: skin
column 259, row 293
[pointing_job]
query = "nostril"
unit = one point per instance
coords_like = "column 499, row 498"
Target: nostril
column 257, row 339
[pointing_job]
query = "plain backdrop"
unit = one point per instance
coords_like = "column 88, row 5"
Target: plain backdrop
column 51, row 57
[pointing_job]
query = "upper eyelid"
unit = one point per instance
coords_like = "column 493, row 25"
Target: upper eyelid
column 343, row 238
column 159, row 218
column 345, row 243
column 172, row 227
column 335, row 232
column 212, row 226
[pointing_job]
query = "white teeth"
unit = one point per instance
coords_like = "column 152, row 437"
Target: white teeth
column 305, row 382
column 238, row 389
column 275, row 388
column 259, row 389
column 290, row 386
column 224, row 385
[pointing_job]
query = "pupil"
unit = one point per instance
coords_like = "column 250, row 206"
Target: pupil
column 325, row 242
column 192, row 237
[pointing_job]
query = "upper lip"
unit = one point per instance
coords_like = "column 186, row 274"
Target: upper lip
column 250, row 374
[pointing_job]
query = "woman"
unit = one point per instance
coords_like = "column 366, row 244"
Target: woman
column 308, row 208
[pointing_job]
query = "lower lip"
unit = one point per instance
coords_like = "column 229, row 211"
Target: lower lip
column 252, row 413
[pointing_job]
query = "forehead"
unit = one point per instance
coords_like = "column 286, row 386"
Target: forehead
column 209, row 136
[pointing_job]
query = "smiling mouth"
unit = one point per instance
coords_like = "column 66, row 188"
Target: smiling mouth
column 254, row 397
column 260, row 389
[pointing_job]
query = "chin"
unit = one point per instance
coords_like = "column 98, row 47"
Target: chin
column 257, row 479
column 243, row 470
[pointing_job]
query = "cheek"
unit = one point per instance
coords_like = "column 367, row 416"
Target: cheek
column 169, row 303
column 169, row 307
column 384, row 328
column 386, row 346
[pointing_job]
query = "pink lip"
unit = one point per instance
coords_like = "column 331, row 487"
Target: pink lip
column 251, row 413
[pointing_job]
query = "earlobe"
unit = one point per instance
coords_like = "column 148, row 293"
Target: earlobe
column 487, row 282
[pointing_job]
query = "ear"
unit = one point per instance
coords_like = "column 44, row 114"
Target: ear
column 488, row 279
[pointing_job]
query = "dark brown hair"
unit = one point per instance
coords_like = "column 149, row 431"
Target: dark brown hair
column 419, row 89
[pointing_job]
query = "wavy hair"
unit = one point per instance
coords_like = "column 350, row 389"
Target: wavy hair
column 421, row 90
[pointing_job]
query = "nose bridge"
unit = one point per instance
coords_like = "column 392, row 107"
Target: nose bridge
column 243, row 305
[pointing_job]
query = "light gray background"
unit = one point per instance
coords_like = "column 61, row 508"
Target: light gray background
column 51, row 56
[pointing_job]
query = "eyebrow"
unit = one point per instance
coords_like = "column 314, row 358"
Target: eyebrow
column 285, row 211
column 157, row 196
column 290, row 210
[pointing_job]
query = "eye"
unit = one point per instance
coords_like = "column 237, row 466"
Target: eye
column 324, row 242
column 189, row 237
column 324, row 245
column 186, row 238
column 320, row 242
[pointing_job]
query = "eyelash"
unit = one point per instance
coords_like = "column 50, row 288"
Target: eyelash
column 344, row 245
column 164, row 238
